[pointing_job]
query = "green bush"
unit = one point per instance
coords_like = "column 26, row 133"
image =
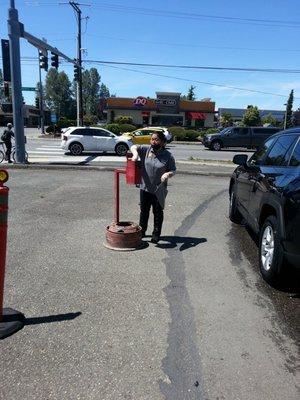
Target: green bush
column 89, row 120
column 124, row 119
column 52, row 129
column 118, row 129
column 63, row 123
column 127, row 128
column 180, row 133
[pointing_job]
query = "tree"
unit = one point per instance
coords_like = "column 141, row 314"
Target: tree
column 270, row 120
column 90, row 91
column 58, row 93
column 191, row 93
column 104, row 91
column 226, row 119
column 251, row 117
column 289, row 111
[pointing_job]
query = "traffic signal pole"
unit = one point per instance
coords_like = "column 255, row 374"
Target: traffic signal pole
column 79, row 60
column 41, row 102
column 15, row 31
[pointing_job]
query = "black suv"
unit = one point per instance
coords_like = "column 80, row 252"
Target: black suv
column 265, row 192
column 250, row 137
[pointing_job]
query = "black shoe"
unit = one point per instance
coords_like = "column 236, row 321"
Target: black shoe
column 9, row 161
column 155, row 239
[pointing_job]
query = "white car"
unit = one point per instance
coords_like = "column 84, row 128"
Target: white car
column 78, row 139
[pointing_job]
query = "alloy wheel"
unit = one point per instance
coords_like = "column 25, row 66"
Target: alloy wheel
column 267, row 248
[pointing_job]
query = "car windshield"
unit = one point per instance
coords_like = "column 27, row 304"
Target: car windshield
column 224, row 131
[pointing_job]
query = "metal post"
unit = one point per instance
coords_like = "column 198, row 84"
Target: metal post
column 117, row 197
column 285, row 116
column 41, row 101
column 14, row 33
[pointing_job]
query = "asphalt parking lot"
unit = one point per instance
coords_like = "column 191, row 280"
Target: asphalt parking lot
column 190, row 318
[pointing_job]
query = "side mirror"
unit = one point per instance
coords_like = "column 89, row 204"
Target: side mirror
column 240, row 159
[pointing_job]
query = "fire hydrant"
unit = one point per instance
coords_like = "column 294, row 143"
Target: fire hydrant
column 124, row 235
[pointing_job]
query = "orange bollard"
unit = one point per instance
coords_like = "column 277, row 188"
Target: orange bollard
column 10, row 320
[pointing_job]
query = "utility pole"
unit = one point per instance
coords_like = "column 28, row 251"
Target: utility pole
column 41, row 102
column 79, row 62
column 15, row 31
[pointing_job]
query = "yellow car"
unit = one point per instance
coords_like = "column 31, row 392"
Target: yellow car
column 142, row 135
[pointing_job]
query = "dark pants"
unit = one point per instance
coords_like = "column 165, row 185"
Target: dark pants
column 8, row 150
column 146, row 201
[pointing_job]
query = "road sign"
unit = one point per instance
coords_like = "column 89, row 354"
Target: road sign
column 53, row 118
column 28, row 89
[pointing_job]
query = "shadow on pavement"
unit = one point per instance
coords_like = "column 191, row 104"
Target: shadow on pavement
column 186, row 241
column 51, row 318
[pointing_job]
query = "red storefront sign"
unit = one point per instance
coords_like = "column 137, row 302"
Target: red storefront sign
column 140, row 101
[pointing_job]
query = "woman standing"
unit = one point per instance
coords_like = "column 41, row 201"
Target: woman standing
column 158, row 165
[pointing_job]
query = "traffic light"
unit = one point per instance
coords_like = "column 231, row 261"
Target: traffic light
column 37, row 103
column 43, row 60
column 76, row 73
column 54, row 60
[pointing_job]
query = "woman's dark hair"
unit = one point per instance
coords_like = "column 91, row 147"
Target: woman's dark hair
column 160, row 135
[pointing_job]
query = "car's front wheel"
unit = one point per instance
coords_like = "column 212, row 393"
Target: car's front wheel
column 76, row 149
column 121, row 149
column 216, row 145
column 271, row 258
column 234, row 214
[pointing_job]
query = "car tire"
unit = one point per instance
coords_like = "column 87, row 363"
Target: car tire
column 234, row 214
column 271, row 257
column 216, row 145
column 121, row 149
column 76, row 149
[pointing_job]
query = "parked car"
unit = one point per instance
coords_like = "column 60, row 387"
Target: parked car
column 265, row 192
column 142, row 135
column 250, row 137
column 79, row 139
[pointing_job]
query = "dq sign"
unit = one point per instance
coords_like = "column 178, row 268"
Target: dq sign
column 140, row 101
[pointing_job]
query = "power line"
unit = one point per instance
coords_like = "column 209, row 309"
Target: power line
column 197, row 81
column 268, row 70
column 195, row 16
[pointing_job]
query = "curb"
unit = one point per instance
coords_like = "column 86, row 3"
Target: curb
column 66, row 167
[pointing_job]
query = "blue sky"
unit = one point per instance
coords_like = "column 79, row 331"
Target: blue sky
column 196, row 33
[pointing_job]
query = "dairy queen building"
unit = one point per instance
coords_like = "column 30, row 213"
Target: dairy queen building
column 167, row 109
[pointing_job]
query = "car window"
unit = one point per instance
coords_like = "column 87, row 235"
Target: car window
column 84, row 132
column 100, row 132
column 277, row 155
column 264, row 131
column 260, row 154
column 139, row 133
column 241, row 131
column 295, row 158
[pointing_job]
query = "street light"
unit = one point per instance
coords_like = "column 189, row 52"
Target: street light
column 285, row 116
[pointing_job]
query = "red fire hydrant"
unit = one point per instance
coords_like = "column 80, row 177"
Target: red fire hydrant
column 10, row 320
column 124, row 235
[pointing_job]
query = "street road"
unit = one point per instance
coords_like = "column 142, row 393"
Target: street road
column 188, row 319
column 49, row 149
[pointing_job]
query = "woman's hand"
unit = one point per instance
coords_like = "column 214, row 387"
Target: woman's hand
column 165, row 177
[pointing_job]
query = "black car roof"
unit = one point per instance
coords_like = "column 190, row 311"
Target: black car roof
column 290, row 130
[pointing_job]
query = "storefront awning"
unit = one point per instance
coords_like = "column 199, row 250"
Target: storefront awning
column 196, row 115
